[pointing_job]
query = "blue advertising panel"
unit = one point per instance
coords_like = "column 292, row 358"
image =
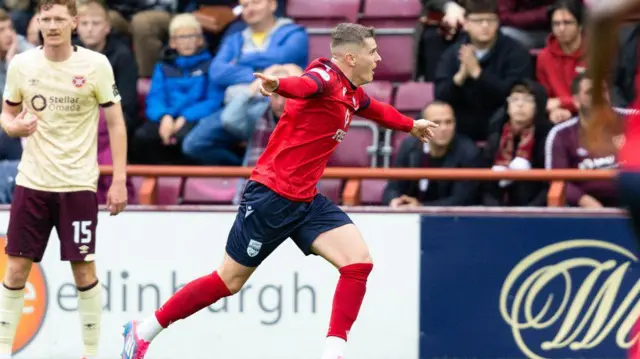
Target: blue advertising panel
column 514, row 287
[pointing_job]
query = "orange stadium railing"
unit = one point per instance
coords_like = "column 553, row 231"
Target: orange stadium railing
column 354, row 176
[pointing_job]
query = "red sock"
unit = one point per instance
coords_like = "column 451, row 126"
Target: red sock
column 348, row 298
column 194, row 296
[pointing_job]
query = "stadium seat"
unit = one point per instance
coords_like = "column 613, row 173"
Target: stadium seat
column 319, row 46
column 397, row 57
column 323, row 13
column 412, row 97
column 391, row 13
column 396, row 140
column 168, row 190
column 380, row 90
column 356, row 148
column 331, row 188
column 143, row 90
column 209, row 190
column 371, row 191
column 137, row 182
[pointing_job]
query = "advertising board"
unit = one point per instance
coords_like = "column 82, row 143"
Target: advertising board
column 282, row 313
column 517, row 287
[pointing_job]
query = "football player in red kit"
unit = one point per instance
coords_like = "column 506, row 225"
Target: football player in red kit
column 605, row 132
column 281, row 201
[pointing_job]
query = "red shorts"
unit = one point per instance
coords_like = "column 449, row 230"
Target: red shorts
column 35, row 213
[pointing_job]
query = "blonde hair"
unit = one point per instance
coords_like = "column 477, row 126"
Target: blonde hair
column 184, row 21
column 89, row 7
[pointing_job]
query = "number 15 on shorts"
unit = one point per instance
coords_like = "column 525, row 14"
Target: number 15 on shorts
column 81, row 232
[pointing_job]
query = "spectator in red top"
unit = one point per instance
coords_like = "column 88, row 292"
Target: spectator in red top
column 525, row 21
column 562, row 59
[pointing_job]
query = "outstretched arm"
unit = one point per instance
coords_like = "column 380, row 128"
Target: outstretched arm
column 385, row 114
column 303, row 86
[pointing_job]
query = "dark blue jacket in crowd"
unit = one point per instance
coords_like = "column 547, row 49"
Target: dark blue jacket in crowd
column 180, row 86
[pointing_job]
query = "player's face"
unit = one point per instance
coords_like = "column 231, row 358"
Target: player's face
column 93, row 28
column 482, row 28
column 564, row 26
column 56, row 25
column 366, row 60
column 257, row 11
column 7, row 35
column 521, row 108
column 443, row 116
column 186, row 41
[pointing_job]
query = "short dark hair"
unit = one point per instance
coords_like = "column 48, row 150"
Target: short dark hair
column 575, row 7
column 577, row 81
column 69, row 4
column 521, row 88
column 347, row 33
column 481, row 7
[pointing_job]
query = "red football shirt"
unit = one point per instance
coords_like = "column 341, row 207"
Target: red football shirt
column 318, row 111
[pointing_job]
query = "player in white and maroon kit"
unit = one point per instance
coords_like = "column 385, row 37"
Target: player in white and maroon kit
column 281, row 200
column 52, row 98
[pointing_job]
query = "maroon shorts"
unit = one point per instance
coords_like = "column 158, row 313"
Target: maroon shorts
column 35, row 213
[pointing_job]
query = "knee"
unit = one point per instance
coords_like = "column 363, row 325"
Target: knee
column 149, row 23
column 141, row 23
column 233, row 281
column 355, row 257
column 234, row 275
column 17, row 272
column 190, row 146
column 358, row 271
column 84, row 273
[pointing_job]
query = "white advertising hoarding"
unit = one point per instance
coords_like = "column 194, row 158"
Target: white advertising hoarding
column 282, row 313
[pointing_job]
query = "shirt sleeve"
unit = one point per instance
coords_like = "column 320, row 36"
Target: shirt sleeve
column 106, row 90
column 11, row 93
column 313, row 82
column 384, row 114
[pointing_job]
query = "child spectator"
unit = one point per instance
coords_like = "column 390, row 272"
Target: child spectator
column 180, row 95
column 518, row 143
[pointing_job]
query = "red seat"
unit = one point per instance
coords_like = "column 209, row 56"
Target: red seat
column 323, row 13
column 396, row 141
column 379, row 90
column 332, row 189
column 353, row 151
column 412, row 97
column 209, row 190
column 168, row 190
column 143, row 90
column 319, row 46
column 391, row 13
column 137, row 182
column 371, row 191
column 397, row 57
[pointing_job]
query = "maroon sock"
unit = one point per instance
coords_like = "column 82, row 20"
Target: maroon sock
column 194, row 296
column 348, row 298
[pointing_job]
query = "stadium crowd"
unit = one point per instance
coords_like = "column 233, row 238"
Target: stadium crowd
column 504, row 79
